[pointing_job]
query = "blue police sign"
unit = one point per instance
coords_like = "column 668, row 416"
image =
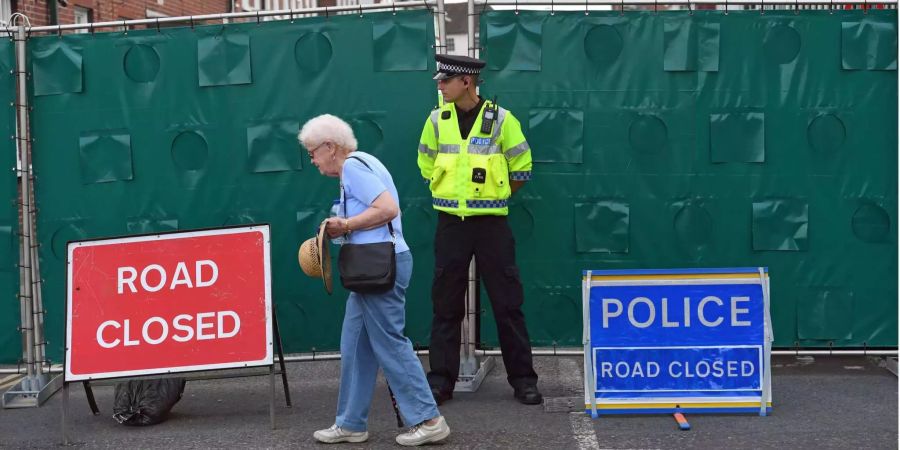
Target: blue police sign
column 694, row 340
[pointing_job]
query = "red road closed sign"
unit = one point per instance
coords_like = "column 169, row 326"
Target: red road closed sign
column 165, row 303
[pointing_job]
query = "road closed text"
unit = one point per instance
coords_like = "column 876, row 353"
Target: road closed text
column 663, row 368
column 185, row 275
column 182, row 328
column 677, row 369
column 170, row 302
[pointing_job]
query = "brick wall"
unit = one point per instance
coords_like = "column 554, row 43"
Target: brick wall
column 111, row 10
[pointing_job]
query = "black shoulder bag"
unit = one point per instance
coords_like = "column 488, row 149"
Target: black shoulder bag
column 367, row 268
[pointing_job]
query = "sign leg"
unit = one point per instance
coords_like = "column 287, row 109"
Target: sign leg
column 272, row 395
column 65, row 413
column 284, row 380
column 90, row 398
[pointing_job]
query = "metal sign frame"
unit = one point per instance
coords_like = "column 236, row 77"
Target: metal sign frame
column 207, row 371
column 158, row 237
column 683, row 404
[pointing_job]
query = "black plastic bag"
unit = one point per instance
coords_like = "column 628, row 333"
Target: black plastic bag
column 146, row 402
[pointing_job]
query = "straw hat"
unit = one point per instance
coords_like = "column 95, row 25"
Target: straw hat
column 314, row 257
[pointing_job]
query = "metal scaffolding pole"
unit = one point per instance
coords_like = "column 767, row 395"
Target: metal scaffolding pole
column 36, row 289
column 470, row 11
column 259, row 15
column 441, row 27
column 472, row 369
column 34, row 387
column 24, row 139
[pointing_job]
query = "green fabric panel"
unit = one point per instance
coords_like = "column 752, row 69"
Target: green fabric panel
column 558, row 133
column 56, row 66
column 690, row 44
column 10, row 337
column 869, row 44
column 223, row 58
column 680, row 44
column 272, row 147
column 105, row 157
column 146, row 225
column 648, row 134
column 601, row 227
column 207, row 157
column 190, row 151
column 781, row 224
column 400, row 43
column 603, row 43
column 368, row 128
column 312, row 51
column 516, row 40
column 826, row 133
column 737, row 137
column 782, row 42
column 826, row 315
column 708, row 46
column 871, row 223
column 822, row 142
column 141, row 63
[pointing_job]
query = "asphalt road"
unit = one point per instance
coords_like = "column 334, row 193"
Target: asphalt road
column 833, row 402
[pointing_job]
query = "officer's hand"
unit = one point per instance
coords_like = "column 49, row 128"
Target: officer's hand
column 334, row 227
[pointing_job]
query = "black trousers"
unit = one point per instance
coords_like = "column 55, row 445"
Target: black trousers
column 491, row 240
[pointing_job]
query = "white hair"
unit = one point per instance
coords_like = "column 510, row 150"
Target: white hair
column 327, row 128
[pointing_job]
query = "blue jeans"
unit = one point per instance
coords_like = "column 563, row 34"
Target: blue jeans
column 372, row 336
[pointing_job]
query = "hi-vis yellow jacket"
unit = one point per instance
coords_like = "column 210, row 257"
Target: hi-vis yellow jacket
column 447, row 160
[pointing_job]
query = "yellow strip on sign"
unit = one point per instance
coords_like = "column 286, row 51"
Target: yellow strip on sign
column 675, row 405
column 712, row 276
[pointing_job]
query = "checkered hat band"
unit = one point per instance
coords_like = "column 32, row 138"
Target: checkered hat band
column 453, row 68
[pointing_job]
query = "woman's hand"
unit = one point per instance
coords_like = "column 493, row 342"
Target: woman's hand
column 334, row 227
column 382, row 210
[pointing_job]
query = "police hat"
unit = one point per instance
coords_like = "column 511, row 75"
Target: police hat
column 452, row 65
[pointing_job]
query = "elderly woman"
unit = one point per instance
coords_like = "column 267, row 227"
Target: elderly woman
column 372, row 334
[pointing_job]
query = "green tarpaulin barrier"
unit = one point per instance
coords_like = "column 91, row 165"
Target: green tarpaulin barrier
column 677, row 140
column 187, row 128
column 667, row 140
column 10, row 310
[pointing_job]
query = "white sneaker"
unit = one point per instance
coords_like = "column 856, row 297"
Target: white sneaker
column 337, row 434
column 425, row 434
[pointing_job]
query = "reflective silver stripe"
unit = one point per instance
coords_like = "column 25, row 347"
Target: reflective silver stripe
column 501, row 116
column 492, row 148
column 474, row 149
column 424, row 149
column 434, row 122
column 517, row 150
column 448, row 148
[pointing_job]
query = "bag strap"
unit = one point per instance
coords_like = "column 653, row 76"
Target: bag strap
column 344, row 194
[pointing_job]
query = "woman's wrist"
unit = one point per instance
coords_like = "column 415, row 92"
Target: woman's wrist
column 346, row 224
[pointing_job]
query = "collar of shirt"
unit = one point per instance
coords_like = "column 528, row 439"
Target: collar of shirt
column 467, row 118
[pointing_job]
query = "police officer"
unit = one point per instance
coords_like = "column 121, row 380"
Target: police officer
column 473, row 156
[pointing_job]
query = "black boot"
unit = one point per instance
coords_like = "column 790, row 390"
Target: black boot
column 440, row 395
column 529, row 395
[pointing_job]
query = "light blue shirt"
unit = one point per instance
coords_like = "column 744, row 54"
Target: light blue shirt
column 362, row 186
